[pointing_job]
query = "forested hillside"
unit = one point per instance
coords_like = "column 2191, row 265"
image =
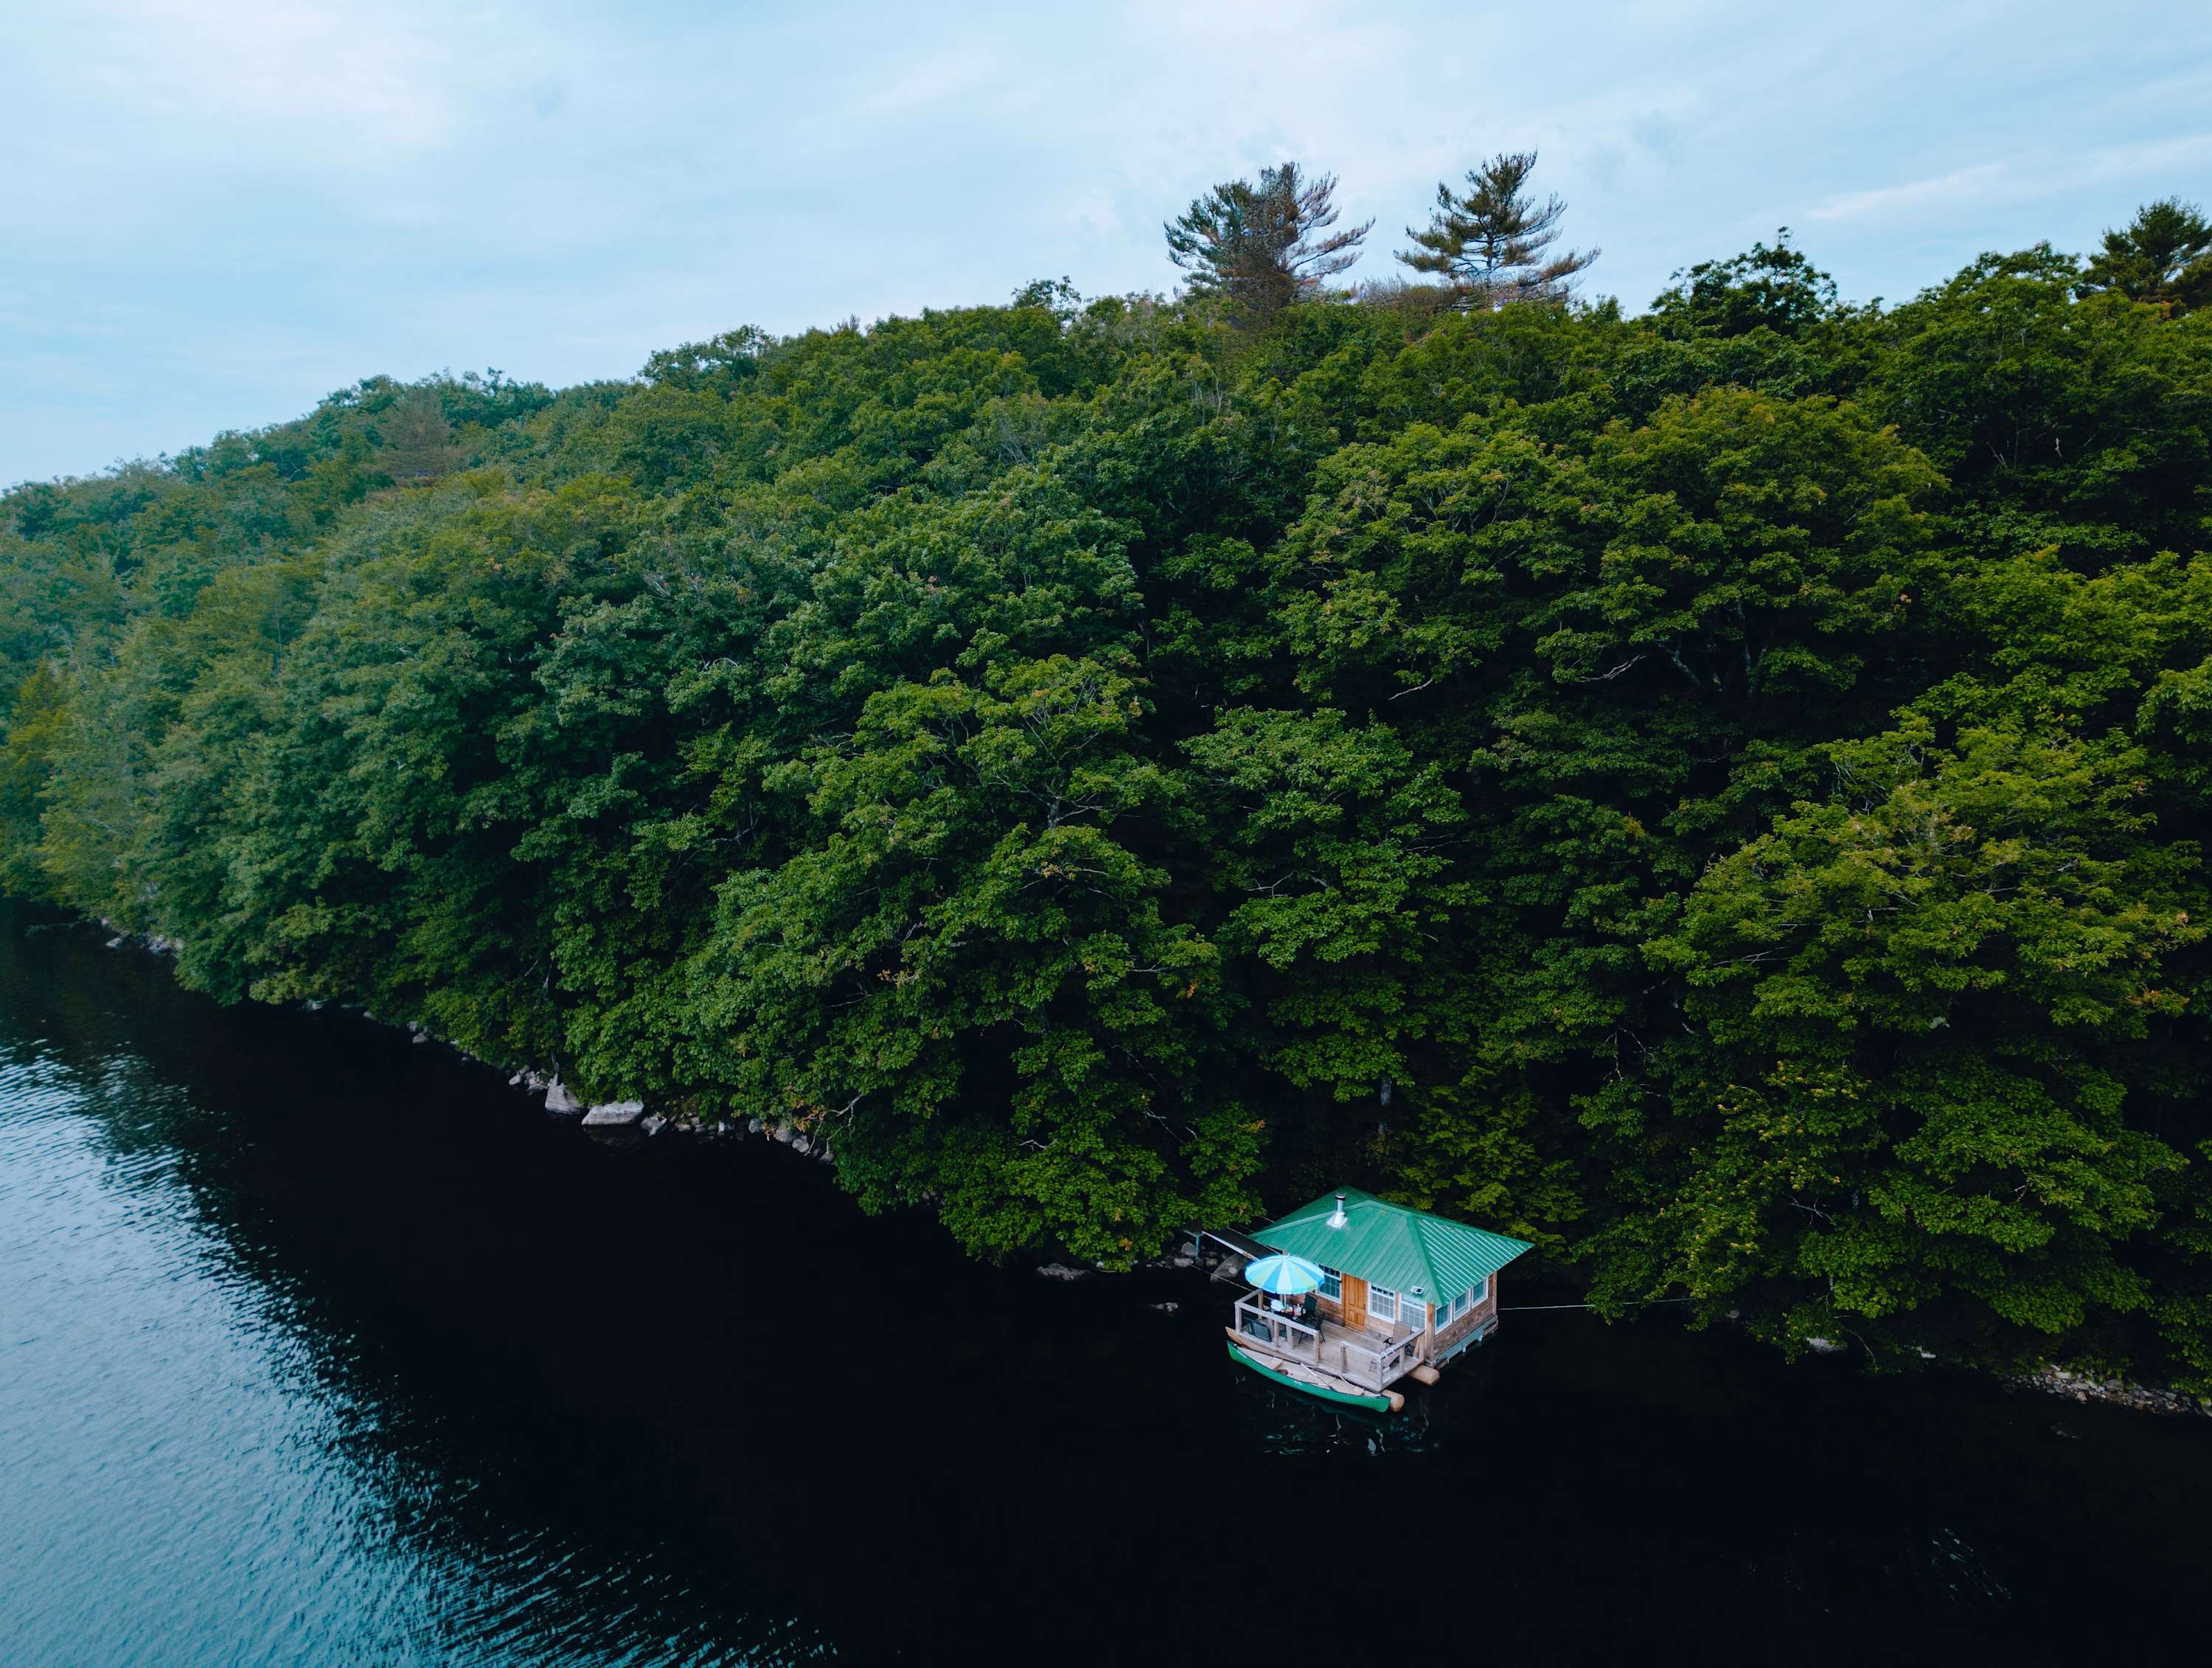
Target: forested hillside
column 1721, row 792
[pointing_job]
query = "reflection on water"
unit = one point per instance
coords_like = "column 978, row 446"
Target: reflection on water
column 207, row 1460
column 318, row 1348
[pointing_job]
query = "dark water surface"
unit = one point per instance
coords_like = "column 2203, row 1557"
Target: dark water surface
column 316, row 1348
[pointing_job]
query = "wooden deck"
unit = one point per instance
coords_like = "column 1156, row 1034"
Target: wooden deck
column 1362, row 1359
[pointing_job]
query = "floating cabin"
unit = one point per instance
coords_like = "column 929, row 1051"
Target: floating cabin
column 1402, row 1293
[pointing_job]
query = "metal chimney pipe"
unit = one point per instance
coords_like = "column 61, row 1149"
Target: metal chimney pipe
column 1340, row 1220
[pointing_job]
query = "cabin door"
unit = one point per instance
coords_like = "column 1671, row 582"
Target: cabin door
column 1355, row 1303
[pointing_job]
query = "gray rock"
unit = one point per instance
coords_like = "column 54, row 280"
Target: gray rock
column 800, row 1145
column 1164, row 1308
column 1061, row 1271
column 1826, row 1346
column 560, row 1102
column 614, row 1115
column 653, row 1125
column 752, row 1126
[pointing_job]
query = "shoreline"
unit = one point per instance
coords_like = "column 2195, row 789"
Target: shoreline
column 629, row 1119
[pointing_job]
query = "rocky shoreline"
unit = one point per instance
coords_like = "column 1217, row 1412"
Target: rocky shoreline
column 560, row 1101
column 2054, row 1380
column 614, row 1116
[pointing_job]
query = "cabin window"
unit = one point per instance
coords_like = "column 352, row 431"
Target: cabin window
column 1382, row 1303
column 1447, row 1314
column 1332, row 1286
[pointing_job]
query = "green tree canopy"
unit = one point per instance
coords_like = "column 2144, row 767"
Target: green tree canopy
column 2163, row 256
column 1721, row 794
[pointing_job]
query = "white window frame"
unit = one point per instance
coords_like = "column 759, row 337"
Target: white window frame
column 1330, row 1277
column 1378, row 1295
column 1469, row 1301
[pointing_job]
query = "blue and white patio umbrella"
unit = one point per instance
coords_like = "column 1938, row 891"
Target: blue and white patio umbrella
column 1283, row 1273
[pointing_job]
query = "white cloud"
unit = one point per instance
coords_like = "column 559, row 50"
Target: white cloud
column 927, row 82
column 248, row 69
column 2179, row 155
column 2055, row 172
column 1945, row 191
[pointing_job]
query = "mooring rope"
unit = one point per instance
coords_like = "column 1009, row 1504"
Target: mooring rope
column 1532, row 1308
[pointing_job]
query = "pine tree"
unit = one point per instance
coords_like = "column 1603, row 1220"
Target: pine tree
column 1261, row 245
column 2163, row 256
column 1488, row 244
column 415, row 445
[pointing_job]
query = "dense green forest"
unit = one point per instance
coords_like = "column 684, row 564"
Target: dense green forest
column 1719, row 792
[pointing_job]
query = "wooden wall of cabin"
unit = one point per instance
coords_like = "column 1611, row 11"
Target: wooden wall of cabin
column 1480, row 1315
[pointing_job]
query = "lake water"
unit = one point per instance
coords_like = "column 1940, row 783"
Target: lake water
column 319, row 1348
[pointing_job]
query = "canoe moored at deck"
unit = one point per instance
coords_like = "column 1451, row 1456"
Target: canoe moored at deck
column 1402, row 1293
column 1388, row 1401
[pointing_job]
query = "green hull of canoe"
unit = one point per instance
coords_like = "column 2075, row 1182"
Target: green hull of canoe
column 1319, row 1392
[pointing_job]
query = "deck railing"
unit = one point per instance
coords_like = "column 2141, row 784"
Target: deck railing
column 1278, row 1332
column 1375, row 1366
column 1380, row 1364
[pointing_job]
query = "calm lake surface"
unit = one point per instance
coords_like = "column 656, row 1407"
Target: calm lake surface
column 317, row 1348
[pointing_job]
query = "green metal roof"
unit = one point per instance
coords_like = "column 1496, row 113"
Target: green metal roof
column 1390, row 1246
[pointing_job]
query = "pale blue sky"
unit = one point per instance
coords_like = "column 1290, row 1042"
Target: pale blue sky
column 218, row 210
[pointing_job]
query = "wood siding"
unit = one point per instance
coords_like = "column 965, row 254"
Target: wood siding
column 1480, row 1315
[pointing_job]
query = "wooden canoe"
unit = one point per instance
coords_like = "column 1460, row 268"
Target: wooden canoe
column 1319, row 1384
